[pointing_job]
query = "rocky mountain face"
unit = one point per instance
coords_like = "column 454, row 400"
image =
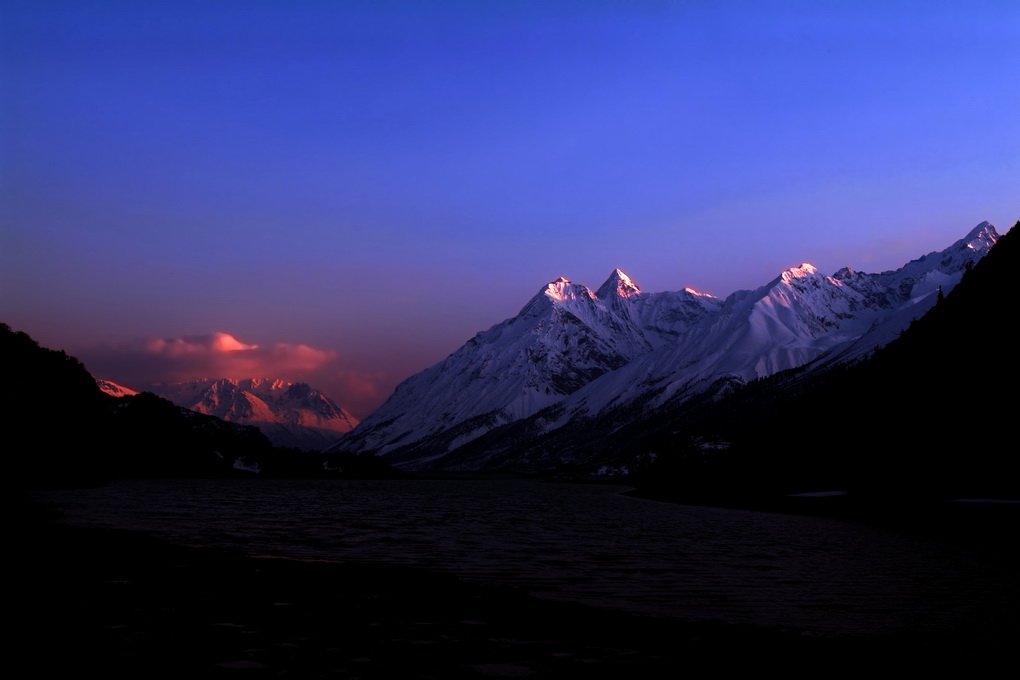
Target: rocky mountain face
column 516, row 394
column 289, row 414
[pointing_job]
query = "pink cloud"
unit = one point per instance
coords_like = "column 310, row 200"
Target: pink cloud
column 360, row 387
column 214, row 342
column 300, row 357
column 221, row 355
column 149, row 361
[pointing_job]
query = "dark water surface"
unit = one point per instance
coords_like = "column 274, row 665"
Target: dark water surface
column 587, row 543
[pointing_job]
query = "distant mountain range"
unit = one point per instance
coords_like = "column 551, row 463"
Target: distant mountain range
column 574, row 360
column 290, row 414
column 72, row 432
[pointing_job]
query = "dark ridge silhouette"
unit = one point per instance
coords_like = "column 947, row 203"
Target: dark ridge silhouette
column 56, row 414
column 70, row 433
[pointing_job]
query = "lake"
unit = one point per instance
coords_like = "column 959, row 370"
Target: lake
column 589, row 544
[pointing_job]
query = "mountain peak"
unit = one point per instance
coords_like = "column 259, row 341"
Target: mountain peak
column 563, row 289
column 618, row 284
column 113, row 389
column 980, row 230
column 290, row 414
column 805, row 270
column 983, row 236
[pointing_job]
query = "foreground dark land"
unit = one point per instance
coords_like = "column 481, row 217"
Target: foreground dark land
column 126, row 605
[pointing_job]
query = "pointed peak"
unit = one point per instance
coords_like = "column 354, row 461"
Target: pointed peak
column 618, row 284
column 983, row 229
column 563, row 289
column 804, row 270
column 982, row 237
column 559, row 288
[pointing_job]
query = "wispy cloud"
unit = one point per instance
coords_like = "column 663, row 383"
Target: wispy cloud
column 147, row 361
column 196, row 345
column 221, row 355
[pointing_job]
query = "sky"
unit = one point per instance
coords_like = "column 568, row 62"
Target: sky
column 343, row 193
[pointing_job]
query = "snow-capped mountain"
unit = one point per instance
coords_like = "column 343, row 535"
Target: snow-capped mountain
column 290, row 414
column 590, row 354
column 113, row 389
column 563, row 338
column 798, row 317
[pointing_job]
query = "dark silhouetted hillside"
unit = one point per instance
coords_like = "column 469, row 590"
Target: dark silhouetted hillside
column 64, row 431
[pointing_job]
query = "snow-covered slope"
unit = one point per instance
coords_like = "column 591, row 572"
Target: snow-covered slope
column 290, row 414
column 113, row 389
column 590, row 353
column 562, row 339
column 799, row 317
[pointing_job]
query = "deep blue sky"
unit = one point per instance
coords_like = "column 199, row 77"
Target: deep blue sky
column 359, row 187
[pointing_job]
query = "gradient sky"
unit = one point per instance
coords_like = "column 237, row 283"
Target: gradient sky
column 345, row 192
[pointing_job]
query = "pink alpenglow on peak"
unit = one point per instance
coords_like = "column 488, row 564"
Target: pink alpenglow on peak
column 113, row 389
column 618, row 284
column 289, row 413
column 563, row 289
column 805, row 270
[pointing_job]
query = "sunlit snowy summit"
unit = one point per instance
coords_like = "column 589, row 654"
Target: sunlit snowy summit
column 289, row 414
column 573, row 355
column 113, row 389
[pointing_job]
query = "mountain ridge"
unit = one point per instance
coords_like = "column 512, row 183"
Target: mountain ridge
column 589, row 353
column 290, row 414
